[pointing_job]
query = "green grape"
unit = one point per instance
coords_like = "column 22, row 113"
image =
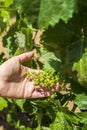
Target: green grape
column 43, row 79
column 47, row 80
column 27, row 74
column 56, row 78
column 36, row 80
column 36, row 83
column 52, row 85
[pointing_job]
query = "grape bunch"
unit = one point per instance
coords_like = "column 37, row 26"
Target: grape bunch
column 43, row 79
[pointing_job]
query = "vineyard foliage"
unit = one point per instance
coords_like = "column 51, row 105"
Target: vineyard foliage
column 62, row 48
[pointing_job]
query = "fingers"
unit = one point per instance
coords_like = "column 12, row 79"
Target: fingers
column 37, row 92
column 44, row 92
column 40, row 95
column 56, row 88
column 25, row 56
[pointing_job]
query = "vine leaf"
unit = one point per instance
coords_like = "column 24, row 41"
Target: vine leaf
column 64, row 121
column 42, row 13
column 29, row 10
column 3, row 103
column 51, row 61
column 20, row 39
column 81, row 101
column 20, row 103
column 8, row 3
column 62, row 34
column 81, row 68
column 52, row 11
column 2, row 25
column 83, row 116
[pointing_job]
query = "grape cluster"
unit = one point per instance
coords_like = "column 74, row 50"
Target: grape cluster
column 43, row 79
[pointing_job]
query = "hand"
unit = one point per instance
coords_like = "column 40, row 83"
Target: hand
column 13, row 81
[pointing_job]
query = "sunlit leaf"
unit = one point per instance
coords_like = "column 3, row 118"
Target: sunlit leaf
column 81, row 68
column 8, row 2
column 51, row 62
column 52, row 11
column 81, row 101
column 60, row 123
column 3, row 103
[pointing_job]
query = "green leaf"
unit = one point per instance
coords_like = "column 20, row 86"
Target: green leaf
column 74, row 62
column 28, row 37
column 81, row 68
column 65, row 120
column 81, row 101
column 60, row 123
column 3, row 103
column 20, row 39
column 52, row 11
column 9, row 39
column 28, row 9
column 8, row 2
column 2, row 25
column 83, row 117
column 4, row 10
column 71, row 117
column 44, row 13
column 62, row 34
column 20, row 51
column 45, row 128
column 5, row 15
column 51, row 61
column 20, row 103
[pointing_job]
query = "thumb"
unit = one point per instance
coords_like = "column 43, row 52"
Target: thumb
column 25, row 56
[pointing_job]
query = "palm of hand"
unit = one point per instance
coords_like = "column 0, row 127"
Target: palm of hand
column 16, row 84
